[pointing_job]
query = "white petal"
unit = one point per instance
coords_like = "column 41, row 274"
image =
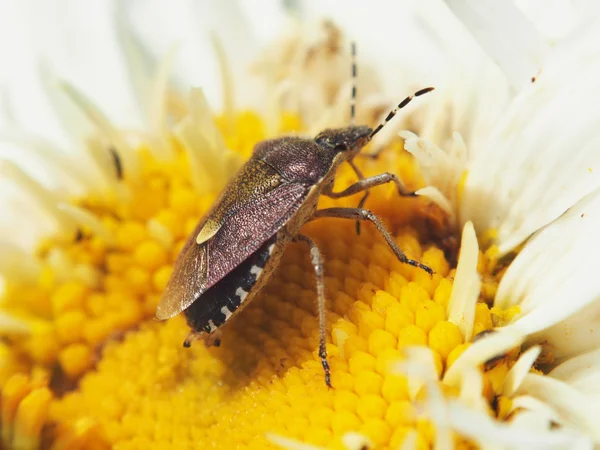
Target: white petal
column 517, row 373
column 488, row 347
column 440, row 169
column 65, row 34
column 538, row 161
column 190, row 25
column 470, row 90
column 85, row 218
column 574, row 408
column 491, row 434
column 555, row 19
column 419, row 367
column 519, row 53
column 11, row 325
column 436, row 196
column 289, row 444
column 552, row 280
column 471, row 390
column 18, row 265
column 582, row 372
column 356, row 441
column 545, row 413
column 467, row 284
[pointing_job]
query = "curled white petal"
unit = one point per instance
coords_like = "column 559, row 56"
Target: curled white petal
column 490, row 346
column 544, row 413
column 489, row 433
column 554, row 284
column 517, row 373
column 537, row 163
column 467, row 284
column 575, row 409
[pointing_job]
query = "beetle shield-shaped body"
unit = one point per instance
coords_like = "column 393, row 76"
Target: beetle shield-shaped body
column 276, row 189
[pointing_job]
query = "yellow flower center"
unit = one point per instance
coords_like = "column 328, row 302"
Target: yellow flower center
column 121, row 379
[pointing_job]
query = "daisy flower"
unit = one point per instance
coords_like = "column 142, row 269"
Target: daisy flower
column 111, row 154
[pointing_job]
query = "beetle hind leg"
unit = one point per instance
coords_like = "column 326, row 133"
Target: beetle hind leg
column 213, row 339
column 210, row 340
column 191, row 337
column 365, row 214
column 317, row 263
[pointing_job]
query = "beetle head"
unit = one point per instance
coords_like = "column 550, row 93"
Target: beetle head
column 349, row 139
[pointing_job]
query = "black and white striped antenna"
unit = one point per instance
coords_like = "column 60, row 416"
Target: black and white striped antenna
column 401, row 105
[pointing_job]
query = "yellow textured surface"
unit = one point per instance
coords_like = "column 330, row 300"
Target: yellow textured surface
column 138, row 388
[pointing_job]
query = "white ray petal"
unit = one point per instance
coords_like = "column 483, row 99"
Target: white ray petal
column 64, row 34
column 209, row 158
column 490, row 346
column 437, row 413
column 356, row 441
column 289, row 444
column 471, row 390
column 555, row 286
column 419, row 367
column 489, row 433
column 578, row 410
column 410, row 441
column 103, row 126
column 544, row 412
column 573, row 367
column 10, row 325
column 537, row 163
column 48, row 163
column 46, row 199
column 467, row 284
column 189, row 25
column 581, row 372
column 517, row 373
column 141, row 65
column 519, row 53
column 440, row 169
column 471, row 91
column 17, row 264
column 85, row 218
column 436, row 196
column 555, row 19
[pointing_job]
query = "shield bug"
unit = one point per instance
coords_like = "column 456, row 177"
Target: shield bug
column 236, row 247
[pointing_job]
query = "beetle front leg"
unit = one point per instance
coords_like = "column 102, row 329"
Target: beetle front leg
column 317, row 263
column 365, row 214
column 370, row 182
column 367, row 183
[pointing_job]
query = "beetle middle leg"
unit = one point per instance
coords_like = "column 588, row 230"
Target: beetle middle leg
column 365, row 214
column 317, row 263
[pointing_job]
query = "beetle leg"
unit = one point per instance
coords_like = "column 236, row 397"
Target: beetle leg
column 365, row 184
column 365, row 214
column 191, row 337
column 362, row 201
column 211, row 340
column 368, row 183
column 317, row 263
